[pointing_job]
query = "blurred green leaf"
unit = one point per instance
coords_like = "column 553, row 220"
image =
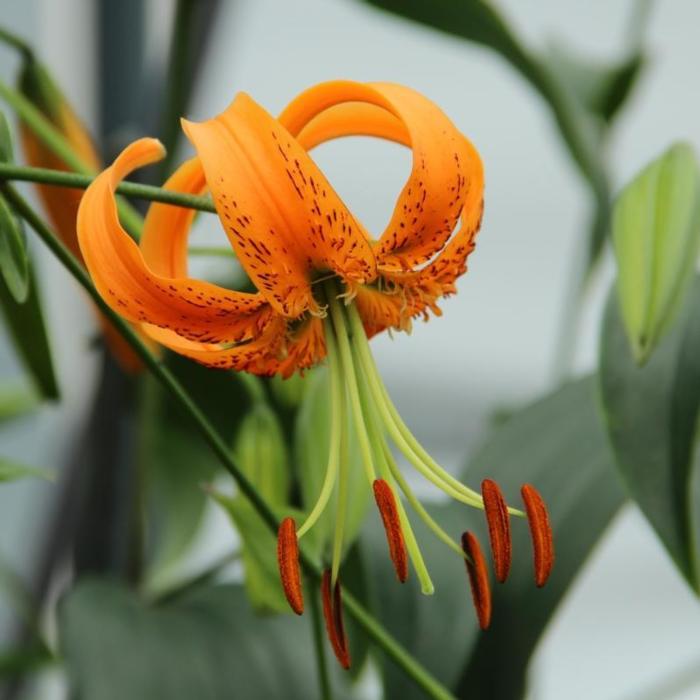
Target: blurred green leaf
column 656, row 233
column 652, row 419
column 28, row 330
column 311, row 447
column 16, row 401
column 438, row 630
column 559, row 445
column 262, row 454
column 600, row 88
column 11, row 470
column 178, row 461
column 207, row 646
column 14, row 261
column 262, row 579
column 6, row 150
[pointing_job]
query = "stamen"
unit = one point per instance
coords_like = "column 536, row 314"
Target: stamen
column 499, row 527
column 386, row 502
column 288, row 560
column 333, row 615
column 478, row 579
column 541, row 532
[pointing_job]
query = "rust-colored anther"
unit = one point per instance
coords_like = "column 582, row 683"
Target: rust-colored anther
column 498, row 521
column 386, row 502
column 333, row 614
column 288, row 560
column 541, row 531
column 478, row 579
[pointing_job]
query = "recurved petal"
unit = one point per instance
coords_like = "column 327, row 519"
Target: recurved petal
column 256, row 356
column 282, row 216
column 196, row 310
column 446, row 179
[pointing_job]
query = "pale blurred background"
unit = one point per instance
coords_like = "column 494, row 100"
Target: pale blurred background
column 629, row 621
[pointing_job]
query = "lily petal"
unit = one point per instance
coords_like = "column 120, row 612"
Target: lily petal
column 257, row 356
column 280, row 213
column 447, row 176
column 196, row 310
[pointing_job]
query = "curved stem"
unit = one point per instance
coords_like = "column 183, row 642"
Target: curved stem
column 324, row 680
column 80, row 181
column 372, row 627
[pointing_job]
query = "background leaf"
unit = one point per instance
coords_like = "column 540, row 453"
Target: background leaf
column 558, row 444
column 14, row 262
column 207, row 646
column 656, row 233
column 178, row 460
column 651, row 415
column 30, row 337
column 10, row 470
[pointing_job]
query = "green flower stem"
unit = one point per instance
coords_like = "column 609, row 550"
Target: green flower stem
column 60, row 147
column 324, row 680
column 412, row 668
column 206, row 251
column 9, row 171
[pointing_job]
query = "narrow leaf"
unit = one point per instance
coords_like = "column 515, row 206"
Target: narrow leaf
column 651, row 415
column 14, row 262
column 28, row 330
column 10, row 470
column 656, row 234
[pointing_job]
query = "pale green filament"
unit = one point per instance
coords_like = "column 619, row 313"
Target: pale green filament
column 342, row 499
column 351, row 383
column 379, row 443
column 337, row 429
column 417, row 505
column 400, row 432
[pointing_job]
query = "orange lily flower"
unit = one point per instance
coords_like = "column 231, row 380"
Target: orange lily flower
column 61, row 203
column 325, row 286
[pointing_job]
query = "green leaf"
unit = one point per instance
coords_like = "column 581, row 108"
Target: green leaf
column 14, row 261
column 262, row 454
column 311, row 447
column 28, row 330
column 6, row 150
column 10, row 470
column 559, row 445
column 600, row 88
column 651, row 414
column 656, row 234
column 438, row 630
column 16, row 401
column 262, row 580
column 207, row 646
column 178, row 460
